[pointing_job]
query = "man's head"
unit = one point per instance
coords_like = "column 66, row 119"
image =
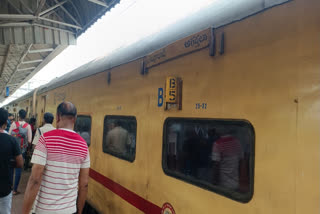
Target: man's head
column 22, row 114
column 111, row 126
column 66, row 115
column 10, row 117
column 3, row 117
column 117, row 123
column 48, row 117
column 32, row 121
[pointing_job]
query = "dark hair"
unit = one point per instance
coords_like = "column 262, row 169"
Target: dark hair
column 48, row 117
column 118, row 123
column 10, row 115
column 3, row 116
column 33, row 120
column 67, row 109
column 22, row 114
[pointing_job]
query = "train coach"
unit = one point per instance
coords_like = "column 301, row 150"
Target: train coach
column 219, row 113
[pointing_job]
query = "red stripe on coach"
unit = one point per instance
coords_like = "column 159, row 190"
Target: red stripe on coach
column 132, row 198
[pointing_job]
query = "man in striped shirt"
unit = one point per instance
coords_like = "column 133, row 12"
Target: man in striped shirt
column 60, row 172
column 227, row 155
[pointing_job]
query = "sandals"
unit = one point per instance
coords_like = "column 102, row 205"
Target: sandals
column 15, row 193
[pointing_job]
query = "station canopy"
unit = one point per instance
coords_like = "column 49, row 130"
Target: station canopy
column 33, row 32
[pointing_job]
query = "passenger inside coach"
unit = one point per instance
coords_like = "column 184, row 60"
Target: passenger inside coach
column 132, row 136
column 119, row 136
column 118, row 139
column 197, row 153
column 213, row 154
column 227, row 155
column 82, row 127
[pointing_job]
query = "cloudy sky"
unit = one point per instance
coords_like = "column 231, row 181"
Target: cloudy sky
column 126, row 23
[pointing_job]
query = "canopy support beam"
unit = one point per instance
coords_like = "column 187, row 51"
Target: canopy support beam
column 101, row 3
column 52, row 8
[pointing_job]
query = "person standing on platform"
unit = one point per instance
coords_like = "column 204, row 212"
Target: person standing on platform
column 48, row 120
column 10, row 119
column 59, row 179
column 32, row 123
column 9, row 155
column 21, row 130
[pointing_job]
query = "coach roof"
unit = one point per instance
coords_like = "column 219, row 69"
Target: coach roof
column 215, row 15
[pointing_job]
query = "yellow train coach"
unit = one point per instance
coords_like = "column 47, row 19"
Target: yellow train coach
column 218, row 113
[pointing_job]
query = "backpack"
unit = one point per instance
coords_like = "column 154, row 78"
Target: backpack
column 21, row 133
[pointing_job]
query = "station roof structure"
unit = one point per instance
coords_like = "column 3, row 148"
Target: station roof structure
column 33, row 32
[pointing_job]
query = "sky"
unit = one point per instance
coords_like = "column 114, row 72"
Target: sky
column 126, row 23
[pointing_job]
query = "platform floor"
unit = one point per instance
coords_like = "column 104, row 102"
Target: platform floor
column 18, row 199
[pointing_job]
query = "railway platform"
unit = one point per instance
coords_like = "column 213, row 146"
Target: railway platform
column 17, row 200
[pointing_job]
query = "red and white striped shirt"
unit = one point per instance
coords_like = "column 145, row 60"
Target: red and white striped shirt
column 63, row 152
column 228, row 151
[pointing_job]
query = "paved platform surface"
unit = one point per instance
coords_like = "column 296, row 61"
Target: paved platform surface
column 18, row 199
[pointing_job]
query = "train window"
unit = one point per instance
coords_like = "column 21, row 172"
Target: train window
column 119, row 138
column 217, row 155
column 83, row 127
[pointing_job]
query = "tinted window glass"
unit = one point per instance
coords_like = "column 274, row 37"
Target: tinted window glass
column 214, row 154
column 83, row 128
column 119, row 137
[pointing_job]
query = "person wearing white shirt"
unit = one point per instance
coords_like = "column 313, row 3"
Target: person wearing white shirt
column 48, row 120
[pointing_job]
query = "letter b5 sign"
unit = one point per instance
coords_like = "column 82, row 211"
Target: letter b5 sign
column 171, row 90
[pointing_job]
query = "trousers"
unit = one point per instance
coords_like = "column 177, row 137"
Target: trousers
column 5, row 204
column 17, row 175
